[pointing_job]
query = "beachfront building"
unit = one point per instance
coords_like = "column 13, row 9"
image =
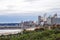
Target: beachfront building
column 49, row 21
column 53, row 20
column 27, row 24
column 39, row 20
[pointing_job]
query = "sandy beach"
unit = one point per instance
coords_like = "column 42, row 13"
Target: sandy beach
column 10, row 31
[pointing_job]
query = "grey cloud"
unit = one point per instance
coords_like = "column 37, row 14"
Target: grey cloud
column 10, row 6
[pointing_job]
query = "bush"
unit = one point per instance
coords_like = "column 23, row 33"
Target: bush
column 40, row 29
column 38, row 34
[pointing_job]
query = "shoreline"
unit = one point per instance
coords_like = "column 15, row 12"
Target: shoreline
column 10, row 31
column 13, row 31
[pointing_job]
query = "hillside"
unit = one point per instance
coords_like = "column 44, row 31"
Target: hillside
column 34, row 35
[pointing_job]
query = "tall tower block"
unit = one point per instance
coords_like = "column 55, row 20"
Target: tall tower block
column 39, row 20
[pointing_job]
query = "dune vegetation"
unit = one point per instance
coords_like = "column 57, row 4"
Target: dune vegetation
column 53, row 34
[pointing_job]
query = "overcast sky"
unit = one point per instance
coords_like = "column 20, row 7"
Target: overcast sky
column 27, row 6
column 18, row 10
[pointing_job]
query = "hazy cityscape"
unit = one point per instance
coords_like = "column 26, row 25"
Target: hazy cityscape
column 31, row 25
column 29, row 19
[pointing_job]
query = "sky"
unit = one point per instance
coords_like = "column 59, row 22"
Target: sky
column 18, row 10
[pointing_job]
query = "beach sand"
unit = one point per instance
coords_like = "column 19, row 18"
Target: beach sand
column 10, row 31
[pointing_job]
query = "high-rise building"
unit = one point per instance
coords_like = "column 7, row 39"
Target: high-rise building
column 39, row 20
column 49, row 21
column 55, row 21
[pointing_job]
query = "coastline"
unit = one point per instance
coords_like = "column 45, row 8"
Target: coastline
column 10, row 31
